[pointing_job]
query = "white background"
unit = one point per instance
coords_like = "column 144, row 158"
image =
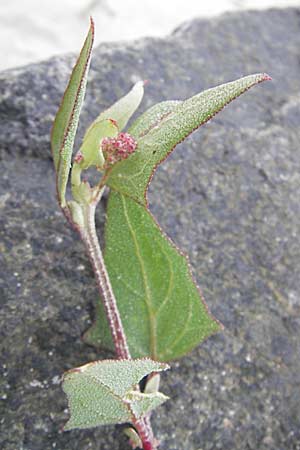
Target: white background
column 31, row 30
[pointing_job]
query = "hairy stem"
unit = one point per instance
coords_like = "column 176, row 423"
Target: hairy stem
column 89, row 236
column 144, row 429
column 90, row 239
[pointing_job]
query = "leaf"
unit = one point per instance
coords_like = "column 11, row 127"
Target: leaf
column 152, row 118
column 104, row 392
column 108, row 124
column 123, row 109
column 90, row 148
column 66, row 120
column 99, row 334
column 162, row 310
column 132, row 176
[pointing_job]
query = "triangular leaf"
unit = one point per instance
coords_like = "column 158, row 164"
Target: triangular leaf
column 103, row 392
column 91, row 404
column 67, row 117
column 132, row 176
column 162, row 310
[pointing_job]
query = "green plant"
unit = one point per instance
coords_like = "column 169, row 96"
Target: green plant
column 144, row 282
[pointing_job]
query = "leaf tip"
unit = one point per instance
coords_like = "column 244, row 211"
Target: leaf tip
column 92, row 24
column 266, row 77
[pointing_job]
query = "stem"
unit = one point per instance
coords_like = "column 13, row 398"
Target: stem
column 144, row 429
column 89, row 237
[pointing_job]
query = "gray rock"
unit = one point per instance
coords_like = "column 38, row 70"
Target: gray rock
column 231, row 200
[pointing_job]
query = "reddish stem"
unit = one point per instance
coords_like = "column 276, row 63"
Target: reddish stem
column 89, row 237
column 144, row 429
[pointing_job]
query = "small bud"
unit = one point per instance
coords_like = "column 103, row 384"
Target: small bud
column 118, row 148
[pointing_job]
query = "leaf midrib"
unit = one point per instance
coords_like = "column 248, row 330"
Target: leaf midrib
column 147, row 297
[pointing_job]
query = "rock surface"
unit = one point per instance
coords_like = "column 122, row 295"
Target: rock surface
column 231, row 201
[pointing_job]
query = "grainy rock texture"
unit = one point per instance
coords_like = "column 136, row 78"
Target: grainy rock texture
column 230, row 199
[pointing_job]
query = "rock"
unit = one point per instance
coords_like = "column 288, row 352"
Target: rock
column 231, row 201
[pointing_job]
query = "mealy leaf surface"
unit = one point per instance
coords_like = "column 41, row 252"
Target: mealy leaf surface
column 104, row 392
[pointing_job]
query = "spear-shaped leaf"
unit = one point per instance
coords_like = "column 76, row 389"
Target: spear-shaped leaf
column 104, row 392
column 159, row 137
column 162, row 310
column 67, row 117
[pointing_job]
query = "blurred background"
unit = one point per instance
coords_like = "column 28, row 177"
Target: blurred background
column 31, row 30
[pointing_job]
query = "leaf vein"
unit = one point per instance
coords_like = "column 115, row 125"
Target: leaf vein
column 147, row 297
column 170, row 286
column 133, row 291
column 185, row 328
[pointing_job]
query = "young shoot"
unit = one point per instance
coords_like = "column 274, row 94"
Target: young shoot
column 150, row 309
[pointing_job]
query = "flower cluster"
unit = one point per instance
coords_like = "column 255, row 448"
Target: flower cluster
column 118, row 148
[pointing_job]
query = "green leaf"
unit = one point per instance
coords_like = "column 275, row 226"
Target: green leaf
column 104, row 392
column 90, row 148
column 123, row 109
column 108, row 124
column 152, row 118
column 66, row 120
column 162, row 310
column 99, row 334
column 132, row 176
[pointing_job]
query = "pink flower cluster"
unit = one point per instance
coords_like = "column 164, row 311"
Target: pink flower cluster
column 118, row 148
